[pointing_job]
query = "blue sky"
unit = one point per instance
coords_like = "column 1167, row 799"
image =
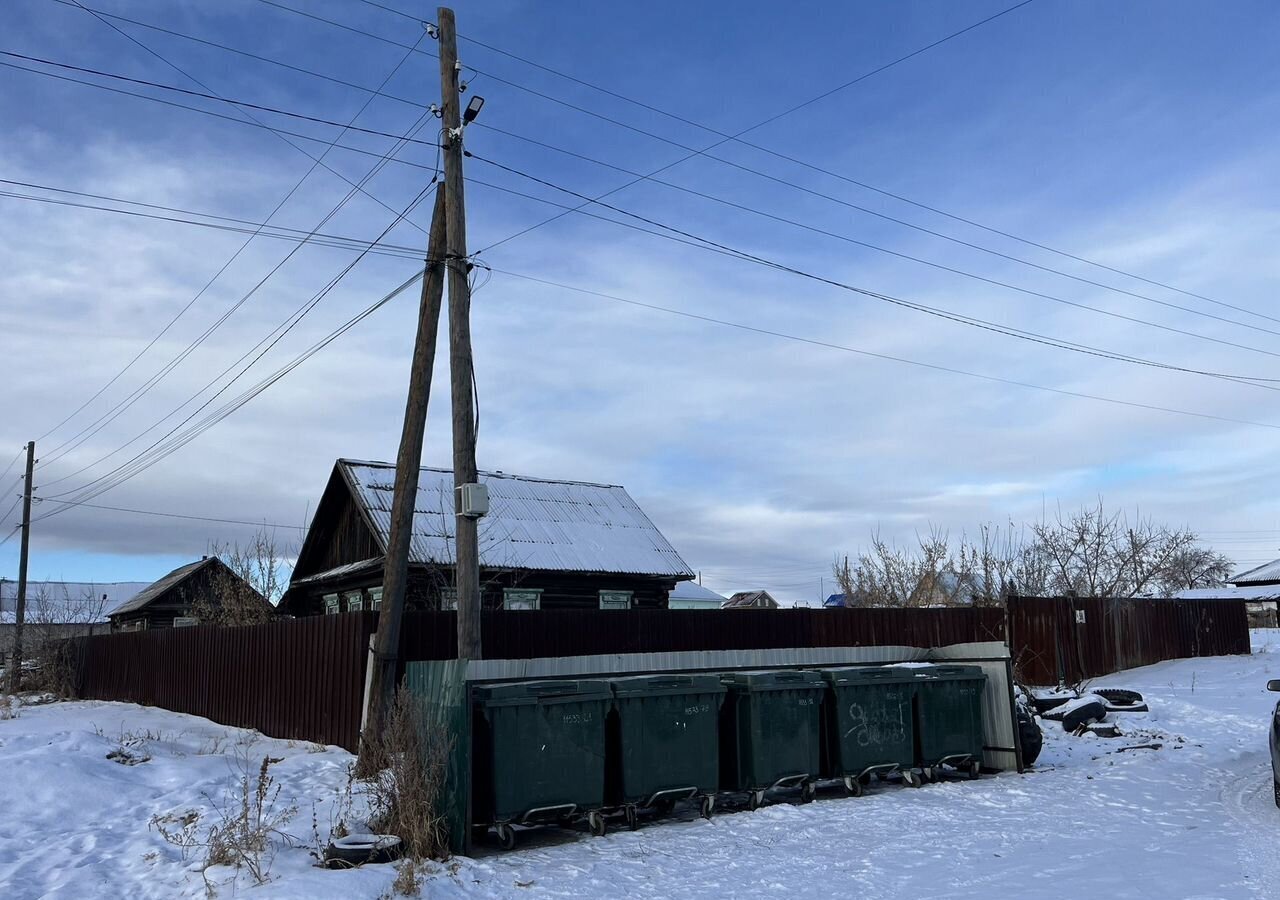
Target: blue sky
column 1141, row 135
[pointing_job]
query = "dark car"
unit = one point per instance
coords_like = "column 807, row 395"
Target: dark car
column 1274, row 685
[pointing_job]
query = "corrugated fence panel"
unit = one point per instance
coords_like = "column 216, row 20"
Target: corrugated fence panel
column 300, row 679
column 1071, row 639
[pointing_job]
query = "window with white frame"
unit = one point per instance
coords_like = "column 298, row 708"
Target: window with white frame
column 355, row 601
column 521, row 598
column 331, row 604
column 615, row 599
column 375, row 598
column 448, row 598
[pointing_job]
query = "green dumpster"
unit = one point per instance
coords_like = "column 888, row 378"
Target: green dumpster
column 868, row 723
column 949, row 702
column 770, row 732
column 665, row 741
column 539, row 753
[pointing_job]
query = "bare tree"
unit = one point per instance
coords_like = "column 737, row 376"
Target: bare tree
column 1094, row 553
column 254, row 571
column 1090, row 553
column 935, row 572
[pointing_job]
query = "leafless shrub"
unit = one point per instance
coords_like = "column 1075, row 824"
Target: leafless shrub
column 181, row 829
column 52, row 618
column 405, row 793
column 408, row 881
column 248, row 823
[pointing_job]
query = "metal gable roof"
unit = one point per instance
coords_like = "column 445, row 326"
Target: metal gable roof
column 1263, row 574
column 533, row 523
column 144, row 597
column 66, row 602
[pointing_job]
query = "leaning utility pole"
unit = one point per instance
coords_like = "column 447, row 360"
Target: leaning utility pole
column 15, row 665
column 466, row 550
column 395, row 569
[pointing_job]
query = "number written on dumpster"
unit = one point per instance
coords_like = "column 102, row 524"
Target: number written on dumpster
column 699, row 708
column 577, row 718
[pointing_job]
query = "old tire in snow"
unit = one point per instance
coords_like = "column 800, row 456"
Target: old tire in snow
column 1084, row 714
column 1119, row 696
column 361, row 849
column 1045, row 704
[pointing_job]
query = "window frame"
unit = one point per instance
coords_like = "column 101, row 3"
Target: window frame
column 508, row 594
column 610, row 599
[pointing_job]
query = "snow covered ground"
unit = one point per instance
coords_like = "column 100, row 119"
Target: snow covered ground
column 1193, row 819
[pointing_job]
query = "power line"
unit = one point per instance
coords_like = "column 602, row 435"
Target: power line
column 120, row 408
column 730, row 163
column 234, row 256
column 651, row 177
column 167, row 515
column 277, row 232
column 410, row 252
column 248, row 395
column 937, row 367
column 283, row 329
column 861, row 184
column 1009, row 331
column 895, row 253
column 14, row 462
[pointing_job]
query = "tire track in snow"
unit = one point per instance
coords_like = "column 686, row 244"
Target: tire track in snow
column 1248, row 800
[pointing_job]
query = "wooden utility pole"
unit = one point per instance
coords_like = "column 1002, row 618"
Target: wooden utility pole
column 395, row 569
column 466, row 550
column 20, row 612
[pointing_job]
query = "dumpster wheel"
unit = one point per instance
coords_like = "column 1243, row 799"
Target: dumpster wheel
column 595, row 821
column 853, row 786
column 975, row 769
column 630, row 813
column 506, row 836
column 911, row 779
column 706, row 806
column 755, row 800
column 808, row 791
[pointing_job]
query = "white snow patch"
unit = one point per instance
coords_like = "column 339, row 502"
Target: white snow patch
column 1193, row 819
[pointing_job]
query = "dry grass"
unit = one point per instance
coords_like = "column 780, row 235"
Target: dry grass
column 404, row 795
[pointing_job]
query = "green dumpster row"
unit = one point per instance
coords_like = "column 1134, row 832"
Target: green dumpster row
column 560, row 751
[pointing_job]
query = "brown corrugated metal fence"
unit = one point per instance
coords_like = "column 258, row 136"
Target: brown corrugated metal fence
column 1069, row 639
column 301, row 679
column 304, row 678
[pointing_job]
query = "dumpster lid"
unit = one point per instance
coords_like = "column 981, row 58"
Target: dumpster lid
column 779, row 680
column 952, row 673
column 525, row 692
column 679, row 683
column 874, row 674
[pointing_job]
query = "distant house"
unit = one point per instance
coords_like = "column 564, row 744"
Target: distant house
column 188, row 595
column 691, row 595
column 1258, row 587
column 750, row 600
column 1266, row 575
column 57, row 609
column 543, row 545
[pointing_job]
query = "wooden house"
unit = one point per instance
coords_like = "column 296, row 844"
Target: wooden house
column 751, row 600
column 544, row 545
column 193, row 594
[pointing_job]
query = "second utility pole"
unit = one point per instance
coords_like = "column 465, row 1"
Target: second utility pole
column 20, row 612
column 466, row 549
